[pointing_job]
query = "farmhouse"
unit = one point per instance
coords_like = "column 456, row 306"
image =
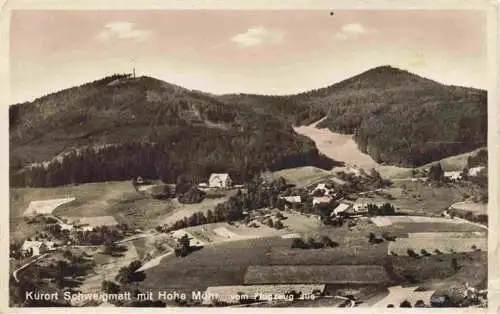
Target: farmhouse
column 35, row 248
column 220, row 180
column 475, row 171
column 321, row 200
column 453, row 175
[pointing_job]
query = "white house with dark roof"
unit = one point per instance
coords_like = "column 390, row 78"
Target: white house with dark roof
column 220, row 180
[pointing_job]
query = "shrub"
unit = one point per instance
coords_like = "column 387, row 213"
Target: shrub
column 420, row 303
column 298, row 243
column 161, row 192
column 412, row 253
column 405, row 303
column 278, row 225
column 424, row 252
column 192, row 196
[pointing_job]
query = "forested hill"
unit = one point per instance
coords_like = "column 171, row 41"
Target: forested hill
column 397, row 117
column 120, row 127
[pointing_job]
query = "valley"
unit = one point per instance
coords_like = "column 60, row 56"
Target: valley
column 134, row 185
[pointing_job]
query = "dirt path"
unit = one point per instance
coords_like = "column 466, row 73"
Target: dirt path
column 109, row 270
column 15, row 272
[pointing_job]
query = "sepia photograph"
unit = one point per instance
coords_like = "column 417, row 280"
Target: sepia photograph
column 260, row 158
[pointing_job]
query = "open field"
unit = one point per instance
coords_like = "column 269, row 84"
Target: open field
column 436, row 271
column 339, row 274
column 383, row 221
column 453, row 163
column 433, row 235
column 185, row 210
column 87, row 195
column 223, row 231
column 303, row 176
column 296, row 222
column 342, row 147
column 154, row 262
column 214, row 265
column 420, row 198
column 362, row 254
column 445, row 245
column 95, row 221
column 405, row 228
column 478, row 208
column 115, row 198
column 46, row 206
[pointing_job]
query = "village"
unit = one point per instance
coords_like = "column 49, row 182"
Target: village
column 328, row 214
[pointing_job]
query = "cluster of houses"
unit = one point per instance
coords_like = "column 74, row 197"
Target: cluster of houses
column 358, row 207
column 459, row 175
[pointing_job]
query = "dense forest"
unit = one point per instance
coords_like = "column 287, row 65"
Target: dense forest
column 431, row 120
column 118, row 127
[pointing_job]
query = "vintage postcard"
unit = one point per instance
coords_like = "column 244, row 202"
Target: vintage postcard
column 328, row 155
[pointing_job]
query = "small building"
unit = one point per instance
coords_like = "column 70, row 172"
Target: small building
column 453, row 175
column 34, row 248
column 321, row 200
column 220, row 180
column 51, row 245
column 87, row 228
column 203, row 185
column 342, row 207
column 475, row 171
column 361, row 204
column 140, row 180
column 322, row 187
column 292, row 199
column 65, row 226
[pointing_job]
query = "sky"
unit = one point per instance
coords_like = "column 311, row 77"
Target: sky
column 222, row 51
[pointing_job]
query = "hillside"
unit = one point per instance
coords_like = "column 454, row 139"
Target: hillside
column 119, row 127
column 431, row 120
